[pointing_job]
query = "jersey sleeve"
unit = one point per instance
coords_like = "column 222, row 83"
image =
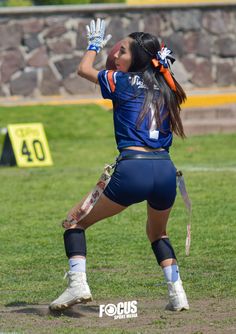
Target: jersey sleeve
column 107, row 82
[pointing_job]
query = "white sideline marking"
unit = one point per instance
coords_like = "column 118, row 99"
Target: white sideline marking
column 207, row 169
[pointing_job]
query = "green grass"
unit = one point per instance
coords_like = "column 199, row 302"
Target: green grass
column 120, row 261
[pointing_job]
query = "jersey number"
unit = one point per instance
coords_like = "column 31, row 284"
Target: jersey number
column 153, row 133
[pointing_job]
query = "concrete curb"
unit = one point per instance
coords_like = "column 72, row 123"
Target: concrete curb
column 202, row 98
column 204, row 112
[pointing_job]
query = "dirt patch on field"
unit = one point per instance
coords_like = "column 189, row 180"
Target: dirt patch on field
column 211, row 316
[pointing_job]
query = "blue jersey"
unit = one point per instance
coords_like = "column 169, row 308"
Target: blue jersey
column 127, row 93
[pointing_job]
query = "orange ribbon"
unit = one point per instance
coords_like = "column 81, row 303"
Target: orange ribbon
column 165, row 71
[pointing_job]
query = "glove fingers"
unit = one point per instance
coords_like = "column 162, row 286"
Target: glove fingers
column 98, row 26
column 106, row 39
column 103, row 28
column 92, row 26
column 88, row 31
column 95, row 35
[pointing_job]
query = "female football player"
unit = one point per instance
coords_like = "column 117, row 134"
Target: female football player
column 146, row 102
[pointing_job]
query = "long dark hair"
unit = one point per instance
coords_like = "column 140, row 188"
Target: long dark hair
column 144, row 48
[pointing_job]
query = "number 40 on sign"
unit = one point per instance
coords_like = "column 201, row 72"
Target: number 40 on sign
column 26, row 145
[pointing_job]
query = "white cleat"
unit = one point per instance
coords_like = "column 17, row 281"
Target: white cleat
column 77, row 292
column 177, row 297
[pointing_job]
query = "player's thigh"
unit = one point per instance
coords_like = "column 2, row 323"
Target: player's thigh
column 104, row 208
column 156, row 222
column 163, row 194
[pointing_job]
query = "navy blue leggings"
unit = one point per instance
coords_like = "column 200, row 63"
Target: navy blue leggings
column 137, row 180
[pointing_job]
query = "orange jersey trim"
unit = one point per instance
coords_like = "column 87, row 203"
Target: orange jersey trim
column 111, row 81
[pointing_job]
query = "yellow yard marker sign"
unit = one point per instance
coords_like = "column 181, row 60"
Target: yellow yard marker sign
column 26, row 146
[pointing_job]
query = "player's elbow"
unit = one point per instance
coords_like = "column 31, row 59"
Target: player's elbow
column 87, row 72
column 82, row 70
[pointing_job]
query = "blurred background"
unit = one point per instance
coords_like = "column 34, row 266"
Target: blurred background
column 53, row 2
column 41, row 46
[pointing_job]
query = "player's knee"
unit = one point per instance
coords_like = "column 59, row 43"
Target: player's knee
column 75, row 242
column 154, row 234
column 163, row 250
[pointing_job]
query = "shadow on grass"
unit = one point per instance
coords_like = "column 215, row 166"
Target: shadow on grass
column 77, row 311
column 16, row 304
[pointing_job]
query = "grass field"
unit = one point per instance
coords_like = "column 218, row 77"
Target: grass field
column 120, row 262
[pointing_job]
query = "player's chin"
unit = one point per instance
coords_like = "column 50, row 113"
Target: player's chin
column 120, row 68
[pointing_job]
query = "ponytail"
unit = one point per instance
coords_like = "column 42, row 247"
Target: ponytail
column 163, row 91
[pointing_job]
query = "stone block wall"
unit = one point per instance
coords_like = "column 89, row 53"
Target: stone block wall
column 40, row 48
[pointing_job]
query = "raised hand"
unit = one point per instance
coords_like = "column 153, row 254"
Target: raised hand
column 96, row 35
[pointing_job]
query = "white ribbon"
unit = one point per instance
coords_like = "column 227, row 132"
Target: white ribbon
column 92, row 198
column 163, row 54
column 188, row 205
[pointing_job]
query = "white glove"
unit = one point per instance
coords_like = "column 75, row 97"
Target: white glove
column 95, row 35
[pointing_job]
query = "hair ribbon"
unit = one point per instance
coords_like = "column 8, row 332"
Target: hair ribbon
column 162, row 60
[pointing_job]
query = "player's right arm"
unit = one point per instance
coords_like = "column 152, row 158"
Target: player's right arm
column 86, row 69
column 96, row 41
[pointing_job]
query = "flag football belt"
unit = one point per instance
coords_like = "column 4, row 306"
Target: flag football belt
column 83, row 210
column 162, row 156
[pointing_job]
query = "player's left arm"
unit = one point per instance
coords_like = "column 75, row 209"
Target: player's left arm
column 96, row 41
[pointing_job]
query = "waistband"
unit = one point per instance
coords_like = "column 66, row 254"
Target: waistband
column 157, row 155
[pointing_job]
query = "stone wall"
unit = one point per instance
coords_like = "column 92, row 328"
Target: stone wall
column 41, row 47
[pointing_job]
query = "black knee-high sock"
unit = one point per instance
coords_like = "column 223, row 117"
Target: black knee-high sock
column 75, row 242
